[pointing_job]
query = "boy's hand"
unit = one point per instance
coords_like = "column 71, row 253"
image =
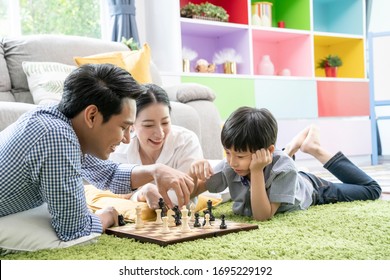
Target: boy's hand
column 260, row 159
column 201, row 169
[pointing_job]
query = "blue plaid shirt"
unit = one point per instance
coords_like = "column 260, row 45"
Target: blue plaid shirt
column 41, row 161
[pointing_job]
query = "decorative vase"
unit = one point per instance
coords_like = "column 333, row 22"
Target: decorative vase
column 331, row 72
column 266, row 67
column 186, row 65
column 230, row 67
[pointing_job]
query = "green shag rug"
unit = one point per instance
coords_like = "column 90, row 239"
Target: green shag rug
column 344, row 231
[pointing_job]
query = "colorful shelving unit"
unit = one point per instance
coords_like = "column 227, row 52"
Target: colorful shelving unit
column 313, row 29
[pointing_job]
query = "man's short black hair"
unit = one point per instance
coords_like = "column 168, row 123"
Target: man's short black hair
column 103, row 85
column 249, row 129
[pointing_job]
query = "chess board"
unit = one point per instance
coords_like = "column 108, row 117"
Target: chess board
column 151, row 232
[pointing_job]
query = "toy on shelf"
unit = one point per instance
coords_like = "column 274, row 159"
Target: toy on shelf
column 203, row 66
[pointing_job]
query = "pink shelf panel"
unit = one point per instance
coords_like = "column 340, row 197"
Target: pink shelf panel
column 343, row 98
column 286, row 50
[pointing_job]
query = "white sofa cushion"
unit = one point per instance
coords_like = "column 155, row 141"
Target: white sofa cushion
column 31, row 230
column 46, row 80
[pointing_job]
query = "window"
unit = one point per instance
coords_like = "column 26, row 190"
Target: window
column 69, row 17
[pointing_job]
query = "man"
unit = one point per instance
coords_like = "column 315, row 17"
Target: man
column 48, row 152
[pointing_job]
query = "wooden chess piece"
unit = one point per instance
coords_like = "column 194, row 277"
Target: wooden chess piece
column 139, row 223
column 171, row 219
column 192, row 212
column 197, row 223
column 210, row 208
column 207, row 224
column 184, row 224
column 223, row 223
column 158, row 217
column 121, row 220
column 177, row 215
column 162, row 206
column 165, row 227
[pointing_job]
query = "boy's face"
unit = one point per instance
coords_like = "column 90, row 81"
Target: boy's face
column 239, row 161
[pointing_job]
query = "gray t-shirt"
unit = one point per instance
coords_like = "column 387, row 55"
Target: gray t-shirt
column 283, row 182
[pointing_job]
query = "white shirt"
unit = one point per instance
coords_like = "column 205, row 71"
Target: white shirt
column 180, row 149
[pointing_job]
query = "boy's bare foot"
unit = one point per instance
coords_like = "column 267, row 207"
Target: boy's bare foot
column 295, row 144
column 311, row 145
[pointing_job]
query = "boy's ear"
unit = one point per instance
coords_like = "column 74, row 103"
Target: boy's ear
column 271, row 148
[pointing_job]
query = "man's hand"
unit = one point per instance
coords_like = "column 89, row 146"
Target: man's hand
column 167, row 178
column 201, row 169
column 149, row 194
column 108, row 216
column 260, row 159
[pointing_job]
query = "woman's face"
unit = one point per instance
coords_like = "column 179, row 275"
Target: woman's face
column 152, row 126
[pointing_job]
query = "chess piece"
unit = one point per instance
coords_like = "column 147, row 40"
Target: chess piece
column 121, row 220
column 184, row 224
column 204, row 215
column 171, row 219
column 161, row 204
column 177, row 215
column 165, row 227
column 158, row 216
column 139, row 223
column 210, row 208
column 207, row 224
column 192, row 212
column 197, row 223
column 223, row 224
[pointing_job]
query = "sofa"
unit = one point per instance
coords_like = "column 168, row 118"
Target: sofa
column 192, row 104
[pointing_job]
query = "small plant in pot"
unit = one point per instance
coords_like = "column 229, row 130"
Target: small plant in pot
column 330, row 63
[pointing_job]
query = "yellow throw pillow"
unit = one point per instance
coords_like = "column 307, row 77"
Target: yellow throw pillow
column 98, row 199
column 137, row 63
column 111, row 58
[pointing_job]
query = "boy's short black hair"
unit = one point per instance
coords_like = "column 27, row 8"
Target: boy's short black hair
column 249, row 129
column 103, row 85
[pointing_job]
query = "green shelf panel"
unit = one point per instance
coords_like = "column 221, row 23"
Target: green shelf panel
column 231, row 93
column 295, row 14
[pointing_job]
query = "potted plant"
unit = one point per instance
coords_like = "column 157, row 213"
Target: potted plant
column 130, row 43
column 205, row 10
column 330, row 63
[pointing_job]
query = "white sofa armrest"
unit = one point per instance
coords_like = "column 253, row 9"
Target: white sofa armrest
column 187, row 92
column 11, row 111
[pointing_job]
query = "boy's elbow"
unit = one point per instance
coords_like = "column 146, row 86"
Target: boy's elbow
column 262, row 218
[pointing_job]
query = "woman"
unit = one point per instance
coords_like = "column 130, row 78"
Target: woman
column 156, row 140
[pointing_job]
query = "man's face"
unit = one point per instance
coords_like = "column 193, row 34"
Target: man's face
column 107, row 136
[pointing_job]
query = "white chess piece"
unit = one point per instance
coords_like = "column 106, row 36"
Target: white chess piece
column 207, row 225
column 158, row 217
column 184, row 220
column 165, row 228
column 139, row 223
column 171, row 218
column 192, row 209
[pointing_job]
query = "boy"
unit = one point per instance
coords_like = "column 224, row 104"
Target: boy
column 263, row 180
